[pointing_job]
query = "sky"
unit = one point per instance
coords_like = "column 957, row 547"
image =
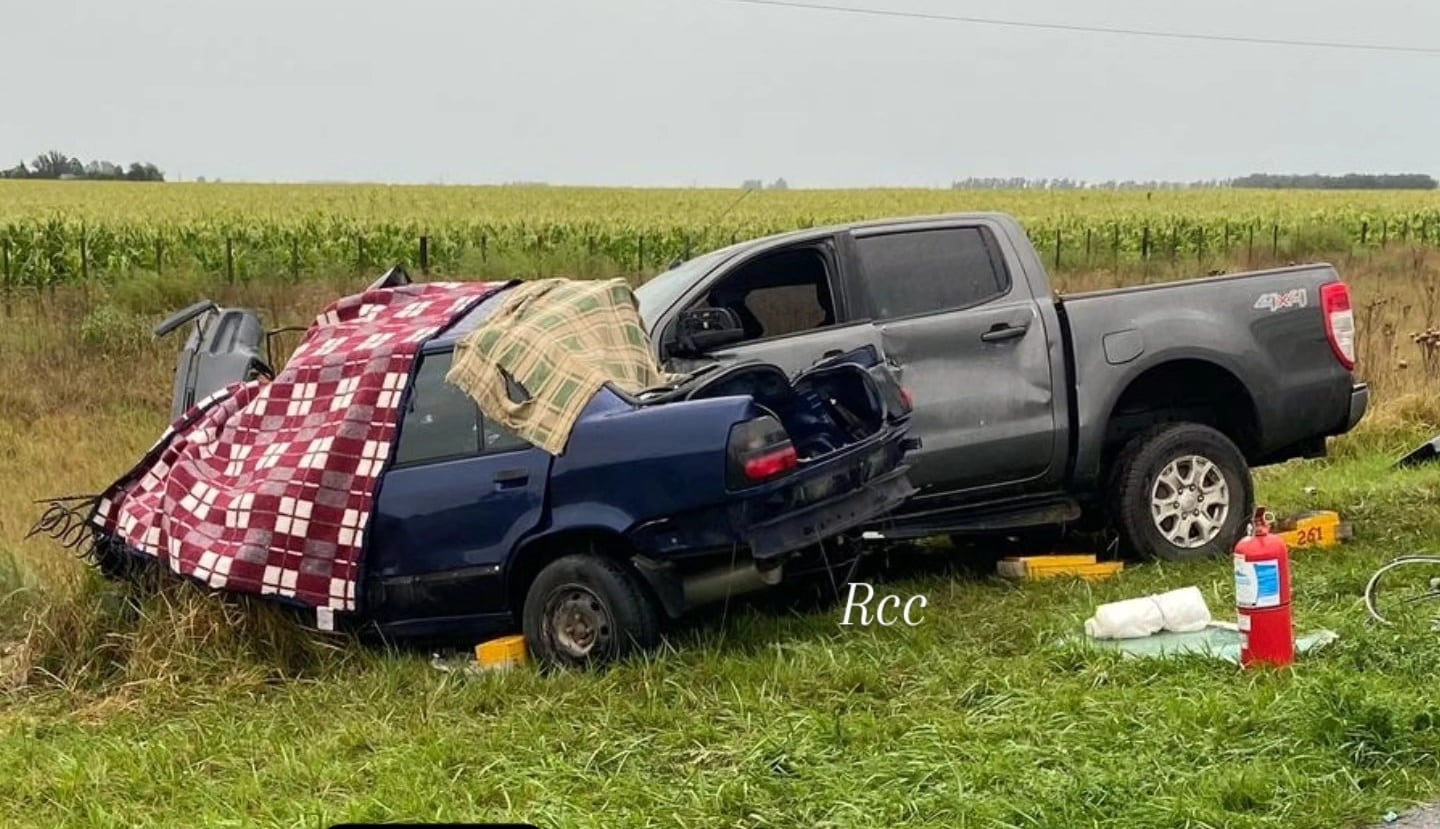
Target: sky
column 712, row 92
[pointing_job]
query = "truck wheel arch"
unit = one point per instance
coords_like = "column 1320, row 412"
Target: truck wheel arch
column 1183, row 388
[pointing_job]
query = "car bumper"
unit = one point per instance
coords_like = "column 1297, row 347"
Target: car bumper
column 798, row 511
column 1359, row 403
column 801, row 528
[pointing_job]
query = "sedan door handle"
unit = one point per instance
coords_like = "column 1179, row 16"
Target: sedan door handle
column 1004, row 331
column 512, row 477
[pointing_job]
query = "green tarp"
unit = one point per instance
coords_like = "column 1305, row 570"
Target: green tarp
column 1219, row 640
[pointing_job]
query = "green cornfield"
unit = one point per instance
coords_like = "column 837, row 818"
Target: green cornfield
column 55, row 232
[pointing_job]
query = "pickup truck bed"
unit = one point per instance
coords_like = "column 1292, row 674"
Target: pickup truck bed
column 1035, row 410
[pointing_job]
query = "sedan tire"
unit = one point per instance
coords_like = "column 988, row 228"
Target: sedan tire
column 587, row 611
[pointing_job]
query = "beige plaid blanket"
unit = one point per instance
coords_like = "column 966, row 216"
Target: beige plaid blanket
column 560, row 340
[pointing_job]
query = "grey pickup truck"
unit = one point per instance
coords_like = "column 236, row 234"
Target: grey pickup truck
column 1137, row 412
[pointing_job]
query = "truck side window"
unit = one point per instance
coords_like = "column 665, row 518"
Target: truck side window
column 924, row 271
column 443, row 423
column 779, row 293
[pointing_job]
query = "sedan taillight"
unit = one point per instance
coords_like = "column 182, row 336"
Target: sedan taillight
column 758, row 451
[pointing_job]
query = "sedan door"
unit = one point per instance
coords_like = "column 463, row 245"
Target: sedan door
column 461, row 493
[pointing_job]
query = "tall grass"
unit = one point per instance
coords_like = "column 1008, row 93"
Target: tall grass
column 89, row 390
column 162, row 705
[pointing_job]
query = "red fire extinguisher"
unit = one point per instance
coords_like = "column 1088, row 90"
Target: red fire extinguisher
column 1262, row 596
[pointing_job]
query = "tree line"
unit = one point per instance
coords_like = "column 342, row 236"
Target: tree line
column 58, row 165
column 1349, row 181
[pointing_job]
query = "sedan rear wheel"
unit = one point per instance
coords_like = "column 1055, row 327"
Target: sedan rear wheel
column 587, row 611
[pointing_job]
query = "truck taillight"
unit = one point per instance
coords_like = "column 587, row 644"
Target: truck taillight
column 1339, row 321
column 759, row 450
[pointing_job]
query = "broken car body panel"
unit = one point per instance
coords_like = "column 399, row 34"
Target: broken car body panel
column 464, row 510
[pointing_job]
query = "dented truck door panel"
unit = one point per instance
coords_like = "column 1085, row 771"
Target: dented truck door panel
column 969, row 343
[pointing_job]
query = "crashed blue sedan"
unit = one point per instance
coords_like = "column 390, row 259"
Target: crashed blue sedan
column 529, row 480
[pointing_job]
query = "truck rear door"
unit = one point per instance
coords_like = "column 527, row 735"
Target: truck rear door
column 971, row 348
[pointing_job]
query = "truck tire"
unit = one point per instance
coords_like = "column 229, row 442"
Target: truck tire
column 587, row 611
column 1180, row 492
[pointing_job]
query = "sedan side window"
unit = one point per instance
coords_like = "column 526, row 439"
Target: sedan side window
column 924, row 271
column 443, row 423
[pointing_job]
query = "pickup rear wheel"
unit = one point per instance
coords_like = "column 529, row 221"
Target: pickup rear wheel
column 1180, row 491
column 586, row 611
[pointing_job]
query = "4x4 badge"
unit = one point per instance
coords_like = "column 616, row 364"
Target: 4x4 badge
column 1275, row 301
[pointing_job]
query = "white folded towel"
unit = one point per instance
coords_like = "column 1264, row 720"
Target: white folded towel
column 1181, row 611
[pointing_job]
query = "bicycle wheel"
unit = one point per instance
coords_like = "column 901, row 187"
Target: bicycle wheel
column 1405, row 591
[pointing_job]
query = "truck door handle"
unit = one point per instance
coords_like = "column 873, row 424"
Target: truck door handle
column 1004, row 331
column 512, row 477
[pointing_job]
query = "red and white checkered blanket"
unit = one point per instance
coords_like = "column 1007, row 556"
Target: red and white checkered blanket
column 268, row 487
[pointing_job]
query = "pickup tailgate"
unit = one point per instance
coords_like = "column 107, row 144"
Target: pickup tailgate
column 1269, row 330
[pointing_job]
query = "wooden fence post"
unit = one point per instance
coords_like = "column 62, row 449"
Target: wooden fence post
column 425, row 255
column 9, row 284
column 229, row 261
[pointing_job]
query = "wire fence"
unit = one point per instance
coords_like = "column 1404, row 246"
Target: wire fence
column 92, row 256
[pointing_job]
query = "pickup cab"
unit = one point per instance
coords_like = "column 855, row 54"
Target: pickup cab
column 1138, row 411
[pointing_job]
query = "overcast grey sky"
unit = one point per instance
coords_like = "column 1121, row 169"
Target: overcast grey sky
column 706, row 92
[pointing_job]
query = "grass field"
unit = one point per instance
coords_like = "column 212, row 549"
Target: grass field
column 198, row 712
